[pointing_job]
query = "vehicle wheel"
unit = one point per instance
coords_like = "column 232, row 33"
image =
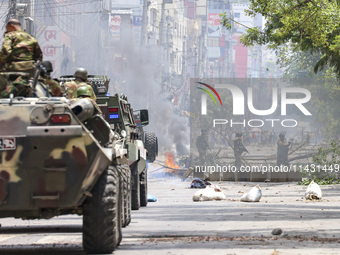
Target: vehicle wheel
column 143, row 188
column 128, row 184
column 135, row 188
column 101, row 215
column 151, row 145
column 122, row 202
column 126, row 191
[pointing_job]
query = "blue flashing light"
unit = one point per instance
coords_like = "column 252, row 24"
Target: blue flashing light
column 107, row 94
column 114, row 116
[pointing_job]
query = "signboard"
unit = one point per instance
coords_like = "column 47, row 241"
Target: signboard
column 49, row 38
column 214, row 19
column 137, row 21
column 114, row 25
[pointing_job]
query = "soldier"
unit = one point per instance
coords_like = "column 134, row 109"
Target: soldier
column 238, row 149
column 282, row 150
column 19, row 53
column 85, row 91
column 80, row 76
column 202, row 145
column 54, row 86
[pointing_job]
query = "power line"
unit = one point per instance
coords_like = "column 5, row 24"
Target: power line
column 57, row 4
column 54, row 20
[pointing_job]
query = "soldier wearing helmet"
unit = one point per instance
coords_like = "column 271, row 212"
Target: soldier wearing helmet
column 80, row 76
column 282, row 150
column 46, row 79
column 85, row 91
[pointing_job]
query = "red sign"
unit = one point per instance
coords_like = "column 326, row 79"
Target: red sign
column 7, row 143
column 50, row 34
column 49, row 51
column 214, row 19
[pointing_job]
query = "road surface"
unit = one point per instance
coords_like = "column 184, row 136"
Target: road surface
column 177, row 225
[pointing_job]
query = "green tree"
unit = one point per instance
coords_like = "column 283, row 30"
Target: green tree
column 300, row 25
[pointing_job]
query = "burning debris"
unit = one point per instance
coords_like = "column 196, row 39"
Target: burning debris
column 171, row 166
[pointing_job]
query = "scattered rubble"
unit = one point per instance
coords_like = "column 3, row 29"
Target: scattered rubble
column 254, row 195
column 277, row 231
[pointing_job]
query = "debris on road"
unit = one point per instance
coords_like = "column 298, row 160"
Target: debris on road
column 197, row 183
column 152, row 198
column 313, row 191
column 254, row 195
column 210, row 193
column 277, row 231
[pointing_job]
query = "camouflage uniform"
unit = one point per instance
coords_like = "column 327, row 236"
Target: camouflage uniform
column 54, row 86
column 18, row 54
column 72, row 87
column 19, row 87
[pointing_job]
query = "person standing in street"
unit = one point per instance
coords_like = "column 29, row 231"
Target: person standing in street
column 282, row 150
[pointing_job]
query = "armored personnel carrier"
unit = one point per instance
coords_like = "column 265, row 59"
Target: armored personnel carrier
column 142, row 147
column 60, row 157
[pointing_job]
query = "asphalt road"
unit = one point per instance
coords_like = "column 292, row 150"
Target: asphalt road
column 177, row 225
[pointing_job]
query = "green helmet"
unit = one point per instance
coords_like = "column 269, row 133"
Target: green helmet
column 81, row 73
column 83, row 91
column 48, row 66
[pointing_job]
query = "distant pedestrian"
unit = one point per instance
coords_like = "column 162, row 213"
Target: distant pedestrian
column 282, row 150
column 239, row 148
column 202, row 145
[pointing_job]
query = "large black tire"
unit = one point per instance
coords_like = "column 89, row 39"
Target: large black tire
column 135, row 188
column 126, row 191
column 102, row 231
column 143, row 188
column 151, row 145
column 122, row 202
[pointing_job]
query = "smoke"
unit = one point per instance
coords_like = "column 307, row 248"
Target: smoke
column 114, row 50
column 143, row 88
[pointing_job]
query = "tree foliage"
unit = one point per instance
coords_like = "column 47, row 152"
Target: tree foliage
column 305, row 25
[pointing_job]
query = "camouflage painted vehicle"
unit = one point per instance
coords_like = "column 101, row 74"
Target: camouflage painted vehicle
column 141, row 146
column 62, row 157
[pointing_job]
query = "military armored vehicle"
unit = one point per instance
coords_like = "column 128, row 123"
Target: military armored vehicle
column 61, row 157
column 142, row 147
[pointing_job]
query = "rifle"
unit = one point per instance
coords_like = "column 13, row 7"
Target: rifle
column 36, row 77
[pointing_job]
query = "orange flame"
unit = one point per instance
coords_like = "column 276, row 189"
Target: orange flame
column 170, row 162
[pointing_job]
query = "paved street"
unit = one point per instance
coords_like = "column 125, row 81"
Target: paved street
column 177, row 225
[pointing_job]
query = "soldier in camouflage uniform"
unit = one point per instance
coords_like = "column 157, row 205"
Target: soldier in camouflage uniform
column 19, row 52
column 54, row 86
column 80, row 76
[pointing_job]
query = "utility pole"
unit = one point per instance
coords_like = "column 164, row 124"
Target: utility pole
column 23, row 17
column 12, row 13
column 161, row 25
column 21, row 12
column 144, row 22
